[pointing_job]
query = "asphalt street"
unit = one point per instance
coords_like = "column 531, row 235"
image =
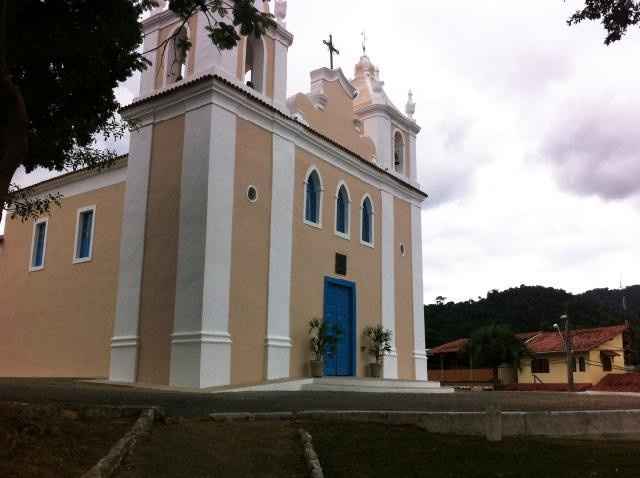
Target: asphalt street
column 178, row 403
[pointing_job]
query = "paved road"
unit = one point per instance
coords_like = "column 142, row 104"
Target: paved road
column 66, row 391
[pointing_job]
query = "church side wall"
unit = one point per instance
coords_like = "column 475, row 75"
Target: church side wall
column 250, row 253
column 58, row 321
column 161, row 252
column 404, row 283
column 314, row 259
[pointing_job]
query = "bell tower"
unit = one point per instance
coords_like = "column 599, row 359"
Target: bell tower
column 258, row 64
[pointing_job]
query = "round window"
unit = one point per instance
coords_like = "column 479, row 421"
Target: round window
column 252, row 193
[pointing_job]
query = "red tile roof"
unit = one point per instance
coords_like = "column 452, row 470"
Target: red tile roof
column 450, row 347
column 582, row 340
column 539, row 342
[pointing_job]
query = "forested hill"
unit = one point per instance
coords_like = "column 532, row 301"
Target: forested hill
column 529, row 308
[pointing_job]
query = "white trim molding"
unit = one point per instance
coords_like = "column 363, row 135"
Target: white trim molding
column 373, row 222
column 321, row 75
column 278, row 341
column 123, row 364
column 419, row 354
column 318, row 224
column 45, row 221
column 231, row 95
column 342, row 235
column 79, row 212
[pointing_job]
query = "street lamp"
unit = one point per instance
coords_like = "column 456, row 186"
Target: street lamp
column 567, row 348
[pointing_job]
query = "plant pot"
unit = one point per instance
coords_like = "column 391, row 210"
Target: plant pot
column 317, row 368
column 375, row 369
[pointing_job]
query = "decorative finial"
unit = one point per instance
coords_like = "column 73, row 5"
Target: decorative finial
column 411, row 106
column 364, row 43
column 281, row 11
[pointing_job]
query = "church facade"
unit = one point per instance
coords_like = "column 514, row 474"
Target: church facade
column 239, row 215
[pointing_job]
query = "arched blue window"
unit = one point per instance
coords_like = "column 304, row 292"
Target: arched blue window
column 367, row 221
column 342, row 211
column 313, row 191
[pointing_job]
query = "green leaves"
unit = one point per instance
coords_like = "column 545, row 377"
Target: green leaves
column 615, row 15
column 324, row 338
column 494, row 345
column 379, row 341
column 224, row 36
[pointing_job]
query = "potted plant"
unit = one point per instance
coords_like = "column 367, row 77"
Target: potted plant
column 324, row 339
column 379, row 344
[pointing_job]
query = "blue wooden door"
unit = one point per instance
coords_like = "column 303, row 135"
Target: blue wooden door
column 339, row 309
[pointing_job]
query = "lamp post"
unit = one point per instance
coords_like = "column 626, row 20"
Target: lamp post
column 567, row 348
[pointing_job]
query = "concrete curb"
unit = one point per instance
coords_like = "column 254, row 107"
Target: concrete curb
column 310, row 455
column 111, row 462
column 494, row 425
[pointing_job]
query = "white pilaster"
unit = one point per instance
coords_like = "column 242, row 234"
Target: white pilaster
column 280, row 75
column 389, row 281
column 124, row 344
column 278, row 340
column 378, row 128
column 413, row 159
column 209, row 58
column 419, row 352
column 148, row 76
column 201, row 344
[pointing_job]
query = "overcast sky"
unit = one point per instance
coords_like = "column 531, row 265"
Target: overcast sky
column 530, row 147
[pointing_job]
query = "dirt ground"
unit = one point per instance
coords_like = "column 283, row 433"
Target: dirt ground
column 200, row 448
column 351, row 450
column 47, row 444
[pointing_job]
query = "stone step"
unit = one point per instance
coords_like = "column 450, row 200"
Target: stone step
column 318, row 387
column 374, row 383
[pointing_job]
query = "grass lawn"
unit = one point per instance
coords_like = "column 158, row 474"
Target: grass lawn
column 196, row 448
column 42, row 445
column 356, row 450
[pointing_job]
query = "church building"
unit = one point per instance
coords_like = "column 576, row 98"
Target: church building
column 239, row 215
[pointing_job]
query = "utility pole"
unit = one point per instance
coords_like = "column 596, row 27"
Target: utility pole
column 568, row 350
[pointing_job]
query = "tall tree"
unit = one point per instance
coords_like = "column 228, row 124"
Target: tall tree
column 616, row 16
column 493, row 346
column 60, row 61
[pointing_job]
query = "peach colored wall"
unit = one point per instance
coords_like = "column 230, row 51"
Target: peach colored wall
column 58, row 321
column 161, row 252
column 250, row 254
column 314, row 259
column 336, row 121
column 404, row 289
column 161, row 53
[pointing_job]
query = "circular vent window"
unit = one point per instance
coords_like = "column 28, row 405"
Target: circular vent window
column 252, row 194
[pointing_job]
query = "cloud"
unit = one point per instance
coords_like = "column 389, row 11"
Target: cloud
column 594, row 145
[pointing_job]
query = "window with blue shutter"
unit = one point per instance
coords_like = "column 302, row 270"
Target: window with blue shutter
column 312, row 206
column 367, row 229
column 342, row 211
column 84, row 236
column 39, row 238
